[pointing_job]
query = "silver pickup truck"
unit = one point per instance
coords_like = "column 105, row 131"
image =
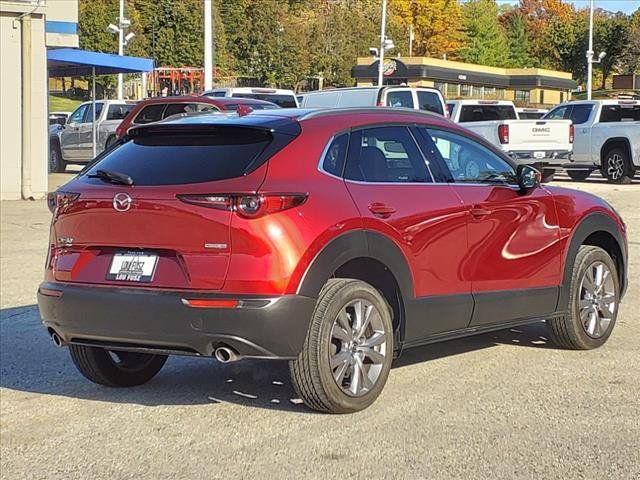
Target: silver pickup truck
column 73, row 143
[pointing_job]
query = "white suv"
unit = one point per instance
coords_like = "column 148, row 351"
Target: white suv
column 282, row 98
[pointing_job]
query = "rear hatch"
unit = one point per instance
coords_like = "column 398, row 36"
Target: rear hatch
column 539, row 135
column 171, row 227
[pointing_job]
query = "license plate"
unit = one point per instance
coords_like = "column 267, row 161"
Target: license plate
column 132, row 267
column 538, row 154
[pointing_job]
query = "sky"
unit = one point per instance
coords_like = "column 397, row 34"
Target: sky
column 626, row 6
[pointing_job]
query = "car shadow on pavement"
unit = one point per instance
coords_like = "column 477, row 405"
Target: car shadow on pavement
column 29, row 362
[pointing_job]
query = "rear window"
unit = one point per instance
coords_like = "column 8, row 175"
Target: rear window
column 150, row 113
column 400, row 98
column 481, row 113
column 118, row 112
column 620, row 113
column 530, row 115
column 158, row 158
column 429, row 101
column 284, row 101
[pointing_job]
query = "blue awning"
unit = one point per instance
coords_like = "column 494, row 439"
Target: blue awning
column 70, row 62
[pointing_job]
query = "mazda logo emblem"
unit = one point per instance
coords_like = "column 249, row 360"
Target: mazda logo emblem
column 122, row 202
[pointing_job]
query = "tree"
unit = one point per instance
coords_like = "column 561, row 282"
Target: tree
column 610, row 32
column 630, row 58
column 485, row 41
column 518, row 41
column 435, row 25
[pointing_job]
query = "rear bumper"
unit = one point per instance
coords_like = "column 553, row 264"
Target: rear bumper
column 549, row 157
column 159, row 320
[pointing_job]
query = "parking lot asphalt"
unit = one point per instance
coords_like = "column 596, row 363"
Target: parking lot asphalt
column 505, row 405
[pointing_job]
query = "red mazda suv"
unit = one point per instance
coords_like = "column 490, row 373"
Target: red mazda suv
column 332, row 239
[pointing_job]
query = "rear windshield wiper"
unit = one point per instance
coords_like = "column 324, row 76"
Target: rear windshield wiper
column 112, row 177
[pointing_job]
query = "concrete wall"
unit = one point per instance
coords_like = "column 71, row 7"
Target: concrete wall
column 23, row 165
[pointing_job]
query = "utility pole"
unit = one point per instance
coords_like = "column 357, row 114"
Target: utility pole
column 120, row 45
column 382, row 43
column 208, row 46
column 590, row 52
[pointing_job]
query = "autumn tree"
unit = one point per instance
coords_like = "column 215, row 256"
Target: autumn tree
column 518, row 42
column 435, row 23
column 630, row 58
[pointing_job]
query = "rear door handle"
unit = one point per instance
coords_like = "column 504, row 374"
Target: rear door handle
column 381, row 210
column 479, row 212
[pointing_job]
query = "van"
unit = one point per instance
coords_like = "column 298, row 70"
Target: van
column 282, row 98
column 417, row 98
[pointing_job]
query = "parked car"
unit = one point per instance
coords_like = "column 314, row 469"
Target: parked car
column 418, row 98
column 543, row 144
column 607, row 138
column 334, row 239
column 281, row 97
column 531, row 113
column 74, row 142
column 159, row 108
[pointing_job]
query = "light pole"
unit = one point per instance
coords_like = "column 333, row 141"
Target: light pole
column 123, row 40
column 590, row 60
column 208, row 46
column 383, row 27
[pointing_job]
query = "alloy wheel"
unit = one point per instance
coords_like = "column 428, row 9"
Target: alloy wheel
column 598, row 300
column 615, row 166
column 357, row 347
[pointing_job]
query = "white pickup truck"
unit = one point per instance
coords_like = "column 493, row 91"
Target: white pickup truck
column 535, row 142
column 607, row 138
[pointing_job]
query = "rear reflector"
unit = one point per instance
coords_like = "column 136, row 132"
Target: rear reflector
column 503, row 133
column 50, row 292
column 210, row 303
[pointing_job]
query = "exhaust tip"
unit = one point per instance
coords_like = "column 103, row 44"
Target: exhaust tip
column 226, row 355
column 55, row 338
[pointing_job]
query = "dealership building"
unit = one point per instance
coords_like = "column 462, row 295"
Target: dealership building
column 457, row 80
column 27, row 29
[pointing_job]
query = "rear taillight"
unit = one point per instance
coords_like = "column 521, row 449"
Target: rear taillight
column 503, row 133
column 59, row 201
column 571, row 133
column 120, row 131
column 248, row 206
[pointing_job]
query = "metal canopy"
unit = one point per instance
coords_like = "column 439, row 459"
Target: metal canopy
column 71, row 62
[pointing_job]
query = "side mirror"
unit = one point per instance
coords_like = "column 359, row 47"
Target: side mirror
column 528, row 177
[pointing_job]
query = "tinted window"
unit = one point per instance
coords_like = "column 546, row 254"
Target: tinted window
column 556, row 113
column 620, row 113
column 150, row 113
column 176, row 108
column 580, row 113
column 385, row 154
column 400, row 98
column 179, row 158
column 78, row 114
column 118, row 112
column 481, row 113
column 470, row 162
column 89, row 116
column 333, row 162
column 284, row 101
column 429, row 101
column 530, row 115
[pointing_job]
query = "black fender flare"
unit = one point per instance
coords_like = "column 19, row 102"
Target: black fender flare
column 592, row 223
column 351, row 245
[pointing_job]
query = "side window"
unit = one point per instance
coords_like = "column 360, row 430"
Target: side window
column 150, row 113
column 557, row 113
column 580, row 113
column 469, row 161
column 400, row 98
column 118, row 112
column 88, row 118
column 175, row 108
column 78, row 115
column 385, row 154
column 429, row 101
column 335, row 155
column 206, row 107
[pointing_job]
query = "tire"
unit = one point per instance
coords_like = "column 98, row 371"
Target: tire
column 56, row 162
column 579, row 174
column 312, row 374
column 547, row 175
column 616, row 166
column 110, row 141
column 100, row 366
column 573, row 329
